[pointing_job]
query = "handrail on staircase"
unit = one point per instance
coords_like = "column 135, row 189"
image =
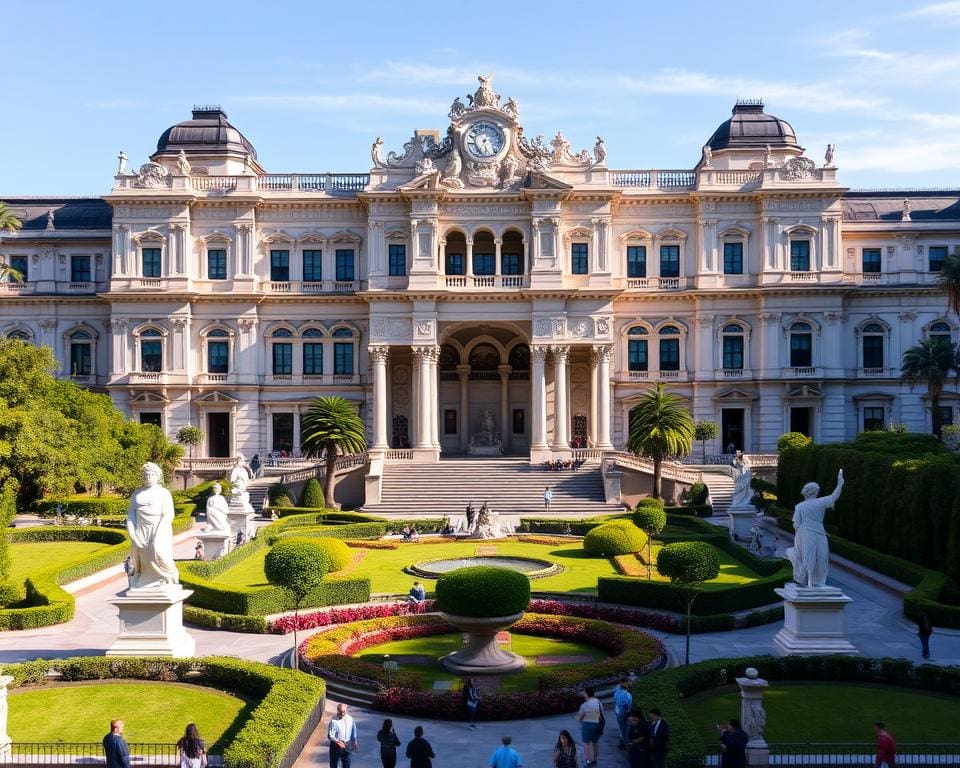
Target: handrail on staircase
column 668, row 469
column 319, row 468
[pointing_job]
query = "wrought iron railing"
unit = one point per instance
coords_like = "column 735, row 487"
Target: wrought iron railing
column 91, row 753
column 841, row 755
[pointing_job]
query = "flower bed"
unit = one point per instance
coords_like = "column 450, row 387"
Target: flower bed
column 334, row 616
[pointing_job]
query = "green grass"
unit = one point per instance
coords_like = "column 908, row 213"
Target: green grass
column 732, row 571
column 384, row 567
column 826, row 712
column 527, row 646
column 31, row 556
column 151, row 712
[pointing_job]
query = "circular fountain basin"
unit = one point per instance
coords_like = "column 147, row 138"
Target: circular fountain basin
column 531, row 567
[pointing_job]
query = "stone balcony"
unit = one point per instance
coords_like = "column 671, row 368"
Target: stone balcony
column 319, row 379
column 668, row 376
column 332, row 184
column 310, row 286
column 498, row 282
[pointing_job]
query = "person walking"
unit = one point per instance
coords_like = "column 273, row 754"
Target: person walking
column 638, row 740
column 419, row 750
column 388, row 744
column 622, row 704
column 659, row 739
column 590, row 716
column 733, row 745
column 342, row 734
column 255, row 465
column 191, row 751
column 115, row 747
column 886, row 747
column 924, row 630
column 565, row 753
column 505, row 756
column 471, row 514
column 470, row 700
column 198, row 551
column 547, row 498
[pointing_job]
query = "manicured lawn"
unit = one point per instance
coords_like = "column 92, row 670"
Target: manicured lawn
column 31, row 556
column 527, row 646
column 151, row 712
column 732, row 571
column 828, row 712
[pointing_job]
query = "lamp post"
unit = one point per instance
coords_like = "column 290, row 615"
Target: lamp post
column 389, row 666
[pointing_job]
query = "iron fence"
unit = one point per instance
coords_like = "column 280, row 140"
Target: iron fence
column 848, row 755
column 91, row 753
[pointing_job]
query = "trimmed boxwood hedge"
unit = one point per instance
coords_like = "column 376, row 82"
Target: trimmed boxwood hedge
column 290, row 708
column 483, row 591
column 620, row 537
column 559, row 524
column 84, row 506
column 325, row 515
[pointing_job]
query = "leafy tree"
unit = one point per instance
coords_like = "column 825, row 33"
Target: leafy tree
column 191, row 437
column 660, row 427
column 8, row 220
column 652, row 520
column 331, row 426
column 297, row 566
column 949, row 280
column 8, row 510
column 688, row 564
column 313, row 494
column 790, row 440
column 703, row 431
column 930, row 363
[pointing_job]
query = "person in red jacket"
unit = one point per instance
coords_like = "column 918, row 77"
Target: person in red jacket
column 886, row 747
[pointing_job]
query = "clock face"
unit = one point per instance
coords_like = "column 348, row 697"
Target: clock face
column 484, row 140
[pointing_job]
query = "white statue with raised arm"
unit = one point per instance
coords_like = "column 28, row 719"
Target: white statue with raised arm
column 810, row 553
column 150, row 526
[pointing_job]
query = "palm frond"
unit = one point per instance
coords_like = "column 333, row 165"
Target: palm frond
column 332, row 423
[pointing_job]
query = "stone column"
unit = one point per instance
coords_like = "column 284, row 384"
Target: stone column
column 463, row 371
column 561, row 417
column 5, row 739
column 538, row 400
column 379, row 354
column 753, row 718
column 435, row 397
column 592, row 425
column 504, row 371
column 421, row 356
column 498, row 264
column 469, row 257
column 604, row 353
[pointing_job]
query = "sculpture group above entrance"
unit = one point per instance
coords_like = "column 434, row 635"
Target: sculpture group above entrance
column 484, row 147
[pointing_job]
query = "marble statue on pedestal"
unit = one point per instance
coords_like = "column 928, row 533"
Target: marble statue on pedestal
column 239, row 476
column 150, row 526
column 217, row 511
column 810, row 553
column 742, row 492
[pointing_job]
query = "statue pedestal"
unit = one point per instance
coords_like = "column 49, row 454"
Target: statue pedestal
column 812, row 621
column 151, row 623
column 215, row 543
column 753, row 718
column 741, row 521
column 241, row 514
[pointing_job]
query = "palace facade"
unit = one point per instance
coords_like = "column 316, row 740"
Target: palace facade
column 484, row 290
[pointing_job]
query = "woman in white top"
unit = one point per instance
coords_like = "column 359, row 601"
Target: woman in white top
column 590, row 716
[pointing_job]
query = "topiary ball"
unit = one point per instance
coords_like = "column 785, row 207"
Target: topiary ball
column 650, row 502
column 483, row 591
column 620, row 537
column 650, row 519
column 297, row 565
column 338, row 553
column 689, row 562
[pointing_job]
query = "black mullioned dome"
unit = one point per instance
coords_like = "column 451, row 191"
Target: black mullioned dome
column 207, row 131
column 752, row 128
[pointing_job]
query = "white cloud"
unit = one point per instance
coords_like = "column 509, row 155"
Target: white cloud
column 911, row 155
column 949, row 11
column 346, row 102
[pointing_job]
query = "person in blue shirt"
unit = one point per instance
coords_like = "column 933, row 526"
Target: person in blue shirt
column 417, row 593
column 115, row 747
column 622, row 704
column 505, row 756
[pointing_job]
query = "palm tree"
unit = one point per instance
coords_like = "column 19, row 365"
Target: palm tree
column 660, row 427
column 9, row 223
column 949, row 279
column 929, row 362
column 331, row 425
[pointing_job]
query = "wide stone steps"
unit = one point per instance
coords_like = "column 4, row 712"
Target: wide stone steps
column 509, row 486
column 721, row 491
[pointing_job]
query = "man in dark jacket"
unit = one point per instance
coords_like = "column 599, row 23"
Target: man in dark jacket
column 659, row 739
column 419, row 750
column 115, row 748
column 733, row 745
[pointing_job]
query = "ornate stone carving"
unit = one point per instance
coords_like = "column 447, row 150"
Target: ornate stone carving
column 179, row 322
column 707, row 157
column 603, row 352
column 379, row 329
column 122, row 163
column 247, row 324
column 183, row 165
column 834, row 318
column 541, row 328
column 451, row 174
column 512, row 109
column 560, row 354
column 600, row 151
column 798, row 168
column 118, row 325
column 559, row 326
column 425, row 166
column 376, row 153
column 907, row 317
column 379, row 353
column 48, row 324
column 602, row 326
column 398, row 328
column 424, row 329
column 539, row 353
column 771, row 317
column 152, row 176
column 562, row 154
column 907, row 210
column 50, row 224
column 828, row 156
column 579, row 329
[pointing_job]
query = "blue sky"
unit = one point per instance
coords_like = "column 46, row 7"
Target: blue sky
column 312, row 84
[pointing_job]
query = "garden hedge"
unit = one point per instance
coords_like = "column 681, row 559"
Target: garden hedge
column 483, row 591
column 326, row 516
column 84, row 506
column 289, row 710
column 558, row 524
column 620, row 537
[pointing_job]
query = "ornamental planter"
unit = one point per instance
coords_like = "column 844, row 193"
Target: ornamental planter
column 482, row 655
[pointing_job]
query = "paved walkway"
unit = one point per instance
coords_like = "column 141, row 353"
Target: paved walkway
column 874, row 619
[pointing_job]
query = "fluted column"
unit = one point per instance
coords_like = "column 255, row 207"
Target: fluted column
column 592, row 425
column 435, row 397
column 604, row 353
column 561, row 416
column 421, row 356
column 463, row 371
column 538, row 381
column 504, row 371
column 379, row 354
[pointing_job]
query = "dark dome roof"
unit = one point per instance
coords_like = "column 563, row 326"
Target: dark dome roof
column 751, row 128
column 208, row 131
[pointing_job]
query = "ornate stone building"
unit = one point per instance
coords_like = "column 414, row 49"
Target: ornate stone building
column 482, row 289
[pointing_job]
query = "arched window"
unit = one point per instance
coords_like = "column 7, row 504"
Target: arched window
column 940, row 330
column 801, row 345
column 218, row 351
column 732, row 340
column 19, row 335
column 872, row 345
column 151, row 350
column 313, row 352
column 282, row 352
column 343, row 352
column 637, row 349
column 669, row 348
column 81, row 359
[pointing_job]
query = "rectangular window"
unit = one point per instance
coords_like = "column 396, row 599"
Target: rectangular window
column 636, row 261
column 343, row 359
column 484, row 264
column 511, row 264
column 283, row 432
column 873, row 351
column 79, row 269
column 454, row 264
column 801, row 350
column 21, row 264
column 282, row 358
column 669, row 354
column 80, row 362
column 313, row 359
column 733, row 258
column 280, row 266
column 942, row 417
column 871, row 260
column 312, row 266
column 799, row 255
column 579, row 259
column 637, row 355
column 398, row 260
column 218, row 356
column 518, row 421
column 216, row 264
column 344, row 260
column 151, row 417
column 151, row 356
column 873, row 418
column 733, row 353
column 670, row 262
column 151, row 262
column 449, row 422
column 936, row 254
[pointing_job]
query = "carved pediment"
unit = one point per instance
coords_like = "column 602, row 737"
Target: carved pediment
column 540, row 180
column 734, row 395
column 803, row 392
column 216, row 398
column 577, row 233
column 636, row 234
column 148, row 398
column 346, row 237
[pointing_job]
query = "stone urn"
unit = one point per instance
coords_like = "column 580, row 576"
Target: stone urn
column 481, row 655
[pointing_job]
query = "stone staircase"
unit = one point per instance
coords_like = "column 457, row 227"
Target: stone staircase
column 509, row 486
column 258, row 492
column 721, row 490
